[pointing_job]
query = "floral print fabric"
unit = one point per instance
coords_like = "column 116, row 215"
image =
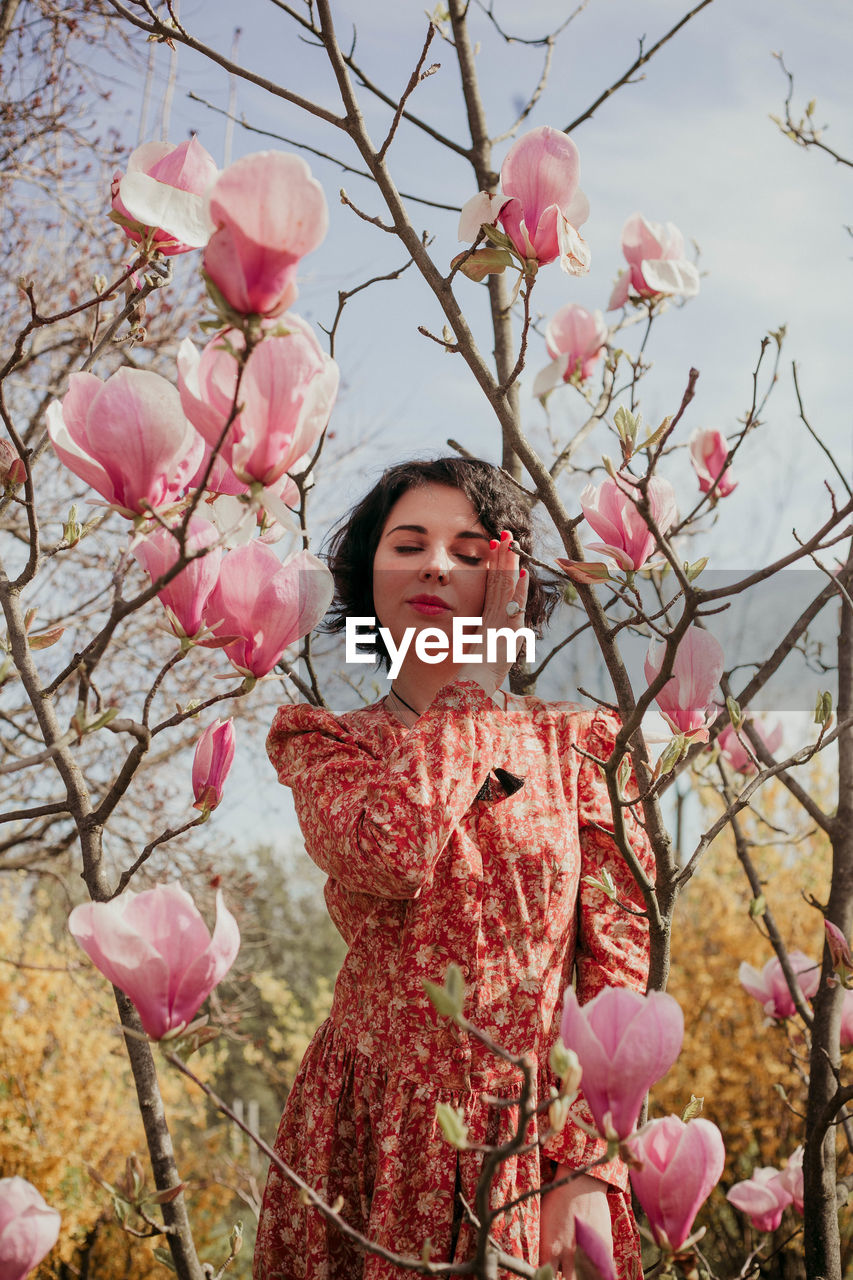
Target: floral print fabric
column 432, row 857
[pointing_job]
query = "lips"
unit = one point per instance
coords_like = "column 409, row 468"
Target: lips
column 430, row 605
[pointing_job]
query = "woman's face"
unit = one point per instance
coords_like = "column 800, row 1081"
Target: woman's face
column 430, row 562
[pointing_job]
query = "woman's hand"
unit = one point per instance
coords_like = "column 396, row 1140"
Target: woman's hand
column 505, row 585
column 584, row 1198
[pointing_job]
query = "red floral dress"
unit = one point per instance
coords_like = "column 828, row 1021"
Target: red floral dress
column 430, row 860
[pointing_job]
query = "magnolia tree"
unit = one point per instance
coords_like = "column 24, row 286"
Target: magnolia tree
column 205, row 470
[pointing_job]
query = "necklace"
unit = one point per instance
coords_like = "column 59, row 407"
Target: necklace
column 406, row 704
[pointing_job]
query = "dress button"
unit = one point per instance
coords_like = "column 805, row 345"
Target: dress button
column 471, row 887
column 459, row 1054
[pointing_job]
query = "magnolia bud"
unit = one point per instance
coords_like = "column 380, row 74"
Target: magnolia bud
column 558, row 1113
column 12, row 469
column 562, row 1060
column 71, row 530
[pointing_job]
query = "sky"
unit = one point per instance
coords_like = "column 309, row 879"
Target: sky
column 691, row 143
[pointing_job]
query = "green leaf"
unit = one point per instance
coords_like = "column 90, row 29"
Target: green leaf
column 653, row 439
column 692, row 571
column 452, row 1124
column 482, row 262
column 626, row 424
column 694, row 1108
column 450, row 998
column 757, row 907
column 163, row 1256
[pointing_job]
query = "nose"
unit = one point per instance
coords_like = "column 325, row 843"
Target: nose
column 436, row 564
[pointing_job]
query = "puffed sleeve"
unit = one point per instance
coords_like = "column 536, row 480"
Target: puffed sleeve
column 375, row 822
column 613, row 944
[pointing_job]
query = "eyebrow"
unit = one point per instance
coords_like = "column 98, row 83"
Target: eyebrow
column 419, row 528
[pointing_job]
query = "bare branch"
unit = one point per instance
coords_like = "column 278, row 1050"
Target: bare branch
column 162, row 29
column 814, row 434
column 803, row 132
column 640, row 61
column 417, row 77
column 315, row 151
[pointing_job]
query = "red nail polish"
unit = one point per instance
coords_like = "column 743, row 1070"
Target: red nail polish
column 493, row 542
column 505, row 537
column 522, row 573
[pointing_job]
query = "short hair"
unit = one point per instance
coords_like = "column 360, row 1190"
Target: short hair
column 499, row 503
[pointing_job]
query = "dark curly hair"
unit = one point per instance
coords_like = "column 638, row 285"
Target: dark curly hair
column 499, row 505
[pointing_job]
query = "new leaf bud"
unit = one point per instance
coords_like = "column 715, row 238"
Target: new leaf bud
column 694, row 1108
column 735, row 713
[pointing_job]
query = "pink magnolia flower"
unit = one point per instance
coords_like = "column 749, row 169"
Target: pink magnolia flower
column 733, row 746
column 593, row 1256
column 612, row 512
column 681, row 1165
column 540, row 205
column 708, row 453
column 268, row 213
column 260, row 605
column 126, row 437
column 155, row 947
column 286, row 395
column 624, row 1042
column 839, row 951
column 656, row 263
column 214, row 754
column 222, row 480
column 792, row 1178
column 763, row 1198
column 575, row 339
column 847, row 1019
column 161, row 195
column 770, row 988
column 685, row 701
column 185, row 596
column 29, row 1228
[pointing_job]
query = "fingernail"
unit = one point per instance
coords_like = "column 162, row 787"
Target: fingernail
column 506, row 537
column 522, row 573
column 493, row 542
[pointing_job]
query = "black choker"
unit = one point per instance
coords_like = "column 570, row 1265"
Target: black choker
column 405, row 703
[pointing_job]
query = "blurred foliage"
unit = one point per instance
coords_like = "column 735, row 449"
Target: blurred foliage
column 752, row 1073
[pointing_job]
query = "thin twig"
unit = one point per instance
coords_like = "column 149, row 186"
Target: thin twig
column 635, row 66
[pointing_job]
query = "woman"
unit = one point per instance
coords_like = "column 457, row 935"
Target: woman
column 456, row 823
